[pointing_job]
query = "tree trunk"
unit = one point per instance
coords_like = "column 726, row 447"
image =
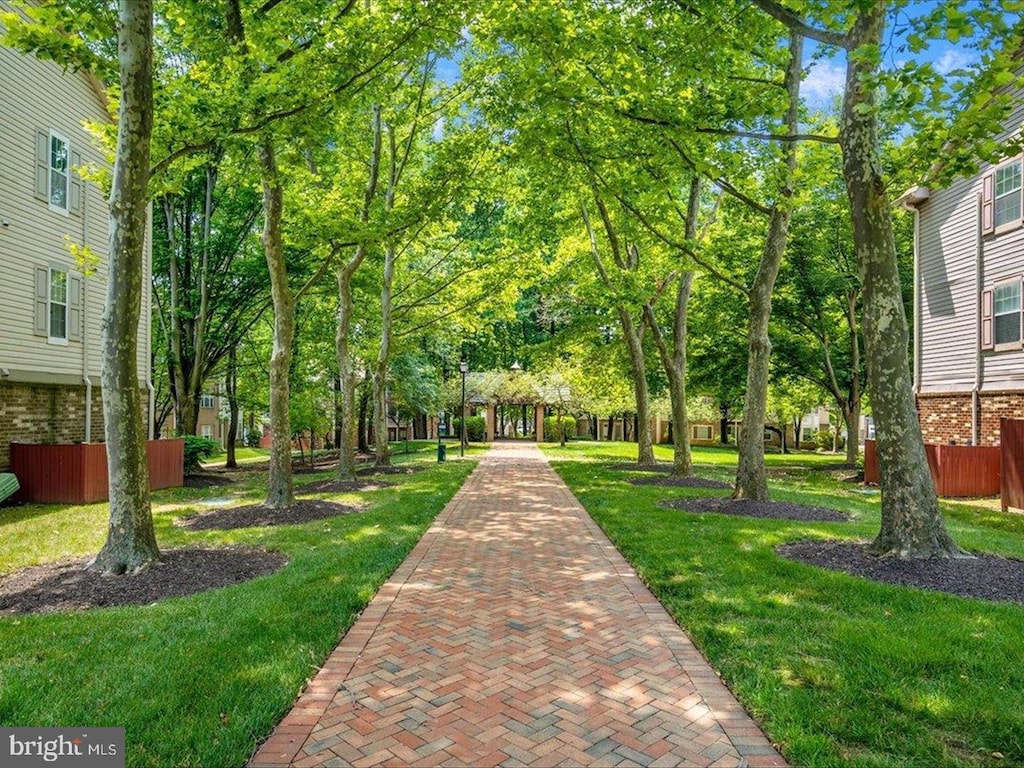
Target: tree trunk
column 346, row 377
column 231, row 383
column 131, row 541
column 751, row 477
column 674, row 360
column 674, row 363
column 347, row 438
column 184, row 403
column 638, row 368
column 280, row 493
column 362, row 439
column 912, row 524
column 380, row 374
column 852, row 418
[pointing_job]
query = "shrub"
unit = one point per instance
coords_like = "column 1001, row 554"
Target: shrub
column 551, row 431
column 252, row 438
column 824, row 439
column 197, row 449
column 476, row 428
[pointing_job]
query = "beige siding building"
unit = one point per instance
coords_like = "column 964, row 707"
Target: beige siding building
column 50, row 304
column 969, row 334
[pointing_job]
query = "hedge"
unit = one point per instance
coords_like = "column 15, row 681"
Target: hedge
column 551, row 432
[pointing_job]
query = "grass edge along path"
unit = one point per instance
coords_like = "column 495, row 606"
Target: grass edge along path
column 838, row 670
column 201, row 680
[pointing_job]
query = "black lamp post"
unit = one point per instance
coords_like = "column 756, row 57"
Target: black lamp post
column 463, row 368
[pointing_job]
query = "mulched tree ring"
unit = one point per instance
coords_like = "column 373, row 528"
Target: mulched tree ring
column 69, row 586
column 206, row 480
column 258, row 515
column 987, row 577
column 634, row 467
column 342, row 486
column 401, row 469
column 682, row 482
column 769, row 510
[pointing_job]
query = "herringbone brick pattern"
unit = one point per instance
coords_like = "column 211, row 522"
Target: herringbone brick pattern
column 515, row 634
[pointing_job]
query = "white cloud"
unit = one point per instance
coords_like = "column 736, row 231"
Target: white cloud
column 825, row 80
column 953, row 58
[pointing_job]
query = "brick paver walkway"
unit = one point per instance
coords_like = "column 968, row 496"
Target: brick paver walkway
column 516, row 634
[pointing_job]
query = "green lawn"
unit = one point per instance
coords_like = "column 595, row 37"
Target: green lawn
column 839, row 670
column 198, row 681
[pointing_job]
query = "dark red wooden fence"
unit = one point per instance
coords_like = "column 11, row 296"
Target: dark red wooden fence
column 957, row 470
column 76, row 473
column 1011, row 442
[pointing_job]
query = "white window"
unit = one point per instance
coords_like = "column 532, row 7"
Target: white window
column 58, row 306
column 1007, row 312
column 701, row 431
column 60, row 173
column 206, row 401
column 207, row 431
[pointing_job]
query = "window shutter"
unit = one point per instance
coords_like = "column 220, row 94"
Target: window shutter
column 74, row 308
column 42, row 190
column 76, row 182
column 987, row 341
column 42, row 300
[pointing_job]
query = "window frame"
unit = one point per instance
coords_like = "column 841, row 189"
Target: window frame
column 1019, row 191
column 1016, row 343
column 695, row 436
column 50, row 303
column 207, row 401
column 66, row 210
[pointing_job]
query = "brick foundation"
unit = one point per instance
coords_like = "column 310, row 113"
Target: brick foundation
column 997, row 405
column 45, row 413
column 947, row 417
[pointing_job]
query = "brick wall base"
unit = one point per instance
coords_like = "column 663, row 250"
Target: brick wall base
column 947, row 417
column 45, row 413
column 997, row 405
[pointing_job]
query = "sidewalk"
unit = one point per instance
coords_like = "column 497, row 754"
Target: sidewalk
column 515, row 634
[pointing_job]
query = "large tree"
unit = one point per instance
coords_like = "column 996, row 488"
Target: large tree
column 131, row 541
column 912, row 524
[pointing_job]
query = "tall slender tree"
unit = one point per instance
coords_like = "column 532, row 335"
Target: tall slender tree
column 131, row 541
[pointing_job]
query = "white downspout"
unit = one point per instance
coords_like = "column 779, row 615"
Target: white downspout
column 909, row 201
column 85, row 328
column 152, row 406
column 978, row 364
column 917, row 294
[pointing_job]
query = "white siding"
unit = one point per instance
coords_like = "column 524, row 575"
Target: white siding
column 40, row 96
column 949, row 228
column 948, row 305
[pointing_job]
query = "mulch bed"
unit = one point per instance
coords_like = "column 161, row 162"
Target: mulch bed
column 681, row 482
column 634, row 467
column 70, row 587
column 258, row 515
column 342, row 486
column 988, row 577
column 207, row 480
column 773, row 510
column 401, row 469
